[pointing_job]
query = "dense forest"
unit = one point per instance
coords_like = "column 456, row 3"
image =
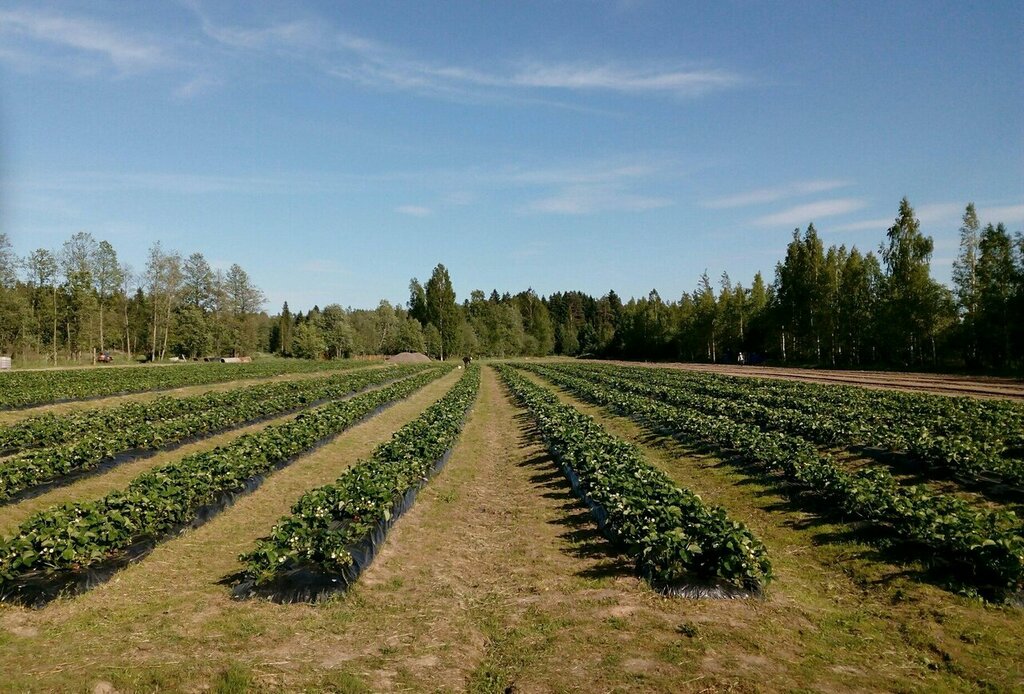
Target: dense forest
column 830, row 307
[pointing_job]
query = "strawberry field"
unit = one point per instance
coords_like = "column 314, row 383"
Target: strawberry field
column 536, row 526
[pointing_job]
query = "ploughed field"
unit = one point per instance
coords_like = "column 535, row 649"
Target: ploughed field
column 517, row 526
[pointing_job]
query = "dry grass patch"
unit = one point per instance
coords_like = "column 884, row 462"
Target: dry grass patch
column 166, row 622
column 841, row 614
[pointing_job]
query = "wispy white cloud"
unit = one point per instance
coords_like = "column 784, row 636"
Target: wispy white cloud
column 948, row 214
column 588, row 199
column 577, row 188
column 323, row 266
column 1008, row 214
column 616, row 78
column 373, row 63
column 81, row 37
column 530, row 251
column 189, row 183
column 414, row 210
column 587, row 187
column 578, row 174
column 36, row 38
column 774, row 194
column 880, row 223
column 196, row 86
column 810, row 212
column 459, row 198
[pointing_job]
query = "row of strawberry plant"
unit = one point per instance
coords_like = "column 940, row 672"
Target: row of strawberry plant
column 49, row 429
column 38, row 467
column 674, row 536
column 29, row 388
column 986, row 547
column 869, row 413
column 333, row 531
column 973, row 459
column 63, row 542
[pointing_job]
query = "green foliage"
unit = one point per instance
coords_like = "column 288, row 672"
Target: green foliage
column 442, row 312
column 987, row 547
column 328, row 521
column 672, row 534
column 83, row 441
column 309, row 341
column 75, row 536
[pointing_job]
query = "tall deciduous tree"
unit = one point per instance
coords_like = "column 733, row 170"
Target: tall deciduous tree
column 197, row 282
column 42, row 269
column 163, row 281
column 107, row 276
column 997, row 279
column 442, row 312
column 76, row 266
column 965, row 281
column 8, row 263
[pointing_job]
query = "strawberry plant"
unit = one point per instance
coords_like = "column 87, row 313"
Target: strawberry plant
column 71, row 538
column 328, row 523
column 986, row 546
column 27, row 388
column 140, row 427
column 674, row 536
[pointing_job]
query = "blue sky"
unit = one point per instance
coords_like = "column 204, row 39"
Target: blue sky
column 337, row 149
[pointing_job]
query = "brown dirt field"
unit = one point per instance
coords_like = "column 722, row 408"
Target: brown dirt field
column 978, row 387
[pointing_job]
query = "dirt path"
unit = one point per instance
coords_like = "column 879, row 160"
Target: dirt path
column 497, row 580
column 980, row 387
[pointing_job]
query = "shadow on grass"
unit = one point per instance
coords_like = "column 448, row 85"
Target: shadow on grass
column 912, row 470
column 879, row 553
column 585, row 540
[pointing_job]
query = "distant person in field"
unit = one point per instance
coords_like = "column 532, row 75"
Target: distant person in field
column 466, row 360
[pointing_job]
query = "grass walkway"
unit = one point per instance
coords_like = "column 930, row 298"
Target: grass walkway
column 840, row 615
column 166, row 623
column 497, row 578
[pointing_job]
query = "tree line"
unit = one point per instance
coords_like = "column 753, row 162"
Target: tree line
column 67, row 305
column 829, row 307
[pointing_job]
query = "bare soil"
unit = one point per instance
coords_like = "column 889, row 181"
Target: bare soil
column 408, row 358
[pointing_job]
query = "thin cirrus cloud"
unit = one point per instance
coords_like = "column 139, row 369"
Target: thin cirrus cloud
column 810, row 212
column 44, row 38
column 944, row 214
column 763, row 196
column 373, row 63
column 588, row 199
column 95, row 43
column 414, row 210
